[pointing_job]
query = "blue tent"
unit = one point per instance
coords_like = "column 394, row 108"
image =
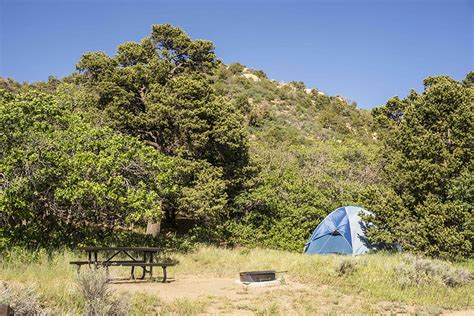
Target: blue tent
column 340, row 232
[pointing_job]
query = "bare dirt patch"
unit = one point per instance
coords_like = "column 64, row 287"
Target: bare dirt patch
column 193, row 287
column 222, row 295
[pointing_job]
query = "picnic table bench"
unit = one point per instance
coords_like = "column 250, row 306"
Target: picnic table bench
column 146, row 262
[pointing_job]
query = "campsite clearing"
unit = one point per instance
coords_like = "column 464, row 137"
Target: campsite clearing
column 204, row 282
column 222, row 295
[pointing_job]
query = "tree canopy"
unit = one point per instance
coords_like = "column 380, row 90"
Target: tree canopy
column 64, row 180
column 428, row 167
column 159, row 91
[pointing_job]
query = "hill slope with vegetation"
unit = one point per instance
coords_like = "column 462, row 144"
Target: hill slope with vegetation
column 312, row 153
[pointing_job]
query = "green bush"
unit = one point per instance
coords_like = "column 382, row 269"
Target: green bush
column 236, row 68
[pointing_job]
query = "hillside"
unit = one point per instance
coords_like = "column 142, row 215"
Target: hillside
column 313, row 153
column 301, row 114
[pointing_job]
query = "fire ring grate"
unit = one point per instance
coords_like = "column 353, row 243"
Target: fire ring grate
column 257, row 276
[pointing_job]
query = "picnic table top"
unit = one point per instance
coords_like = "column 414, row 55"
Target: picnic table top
column 140, row 249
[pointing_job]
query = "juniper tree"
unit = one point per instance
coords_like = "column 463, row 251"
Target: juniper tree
column 159, row 90
column 428, row 167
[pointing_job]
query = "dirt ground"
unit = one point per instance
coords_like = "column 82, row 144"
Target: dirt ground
column 226, row 296
column 194, row 287
column 222, row 295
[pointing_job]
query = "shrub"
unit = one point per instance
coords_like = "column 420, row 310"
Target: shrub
column 457, row 277
column 346, row 266
column 261, row 74
column 415, row 271
column 23, row 299
column 99, row 298
column 236, row 68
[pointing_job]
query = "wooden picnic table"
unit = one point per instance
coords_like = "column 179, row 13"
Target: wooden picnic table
column 145, row 259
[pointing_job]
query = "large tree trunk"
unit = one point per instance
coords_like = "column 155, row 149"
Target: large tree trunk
column 153, row 228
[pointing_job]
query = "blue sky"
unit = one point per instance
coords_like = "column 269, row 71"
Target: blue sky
column 367, row 51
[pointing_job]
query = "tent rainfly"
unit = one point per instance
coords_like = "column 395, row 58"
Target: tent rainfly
column 340, row 232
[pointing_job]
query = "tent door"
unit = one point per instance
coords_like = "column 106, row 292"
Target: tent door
column 331, row 243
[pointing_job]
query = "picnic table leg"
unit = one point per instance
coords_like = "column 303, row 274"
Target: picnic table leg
column 144, row 268
column 133, row 273
column 93, row 262
column 89, row 254
column 164, row 274
column 151, row 267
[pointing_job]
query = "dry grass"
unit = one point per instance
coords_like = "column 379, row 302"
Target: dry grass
column 148, row 304
column 368, row 284
column 52, row 277
column 22, row 298
column 374, row 276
